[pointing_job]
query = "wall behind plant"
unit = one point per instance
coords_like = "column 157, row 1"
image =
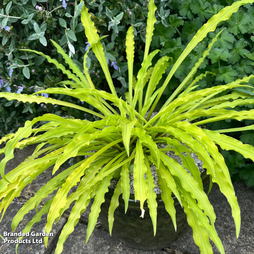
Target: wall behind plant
column 33, row 23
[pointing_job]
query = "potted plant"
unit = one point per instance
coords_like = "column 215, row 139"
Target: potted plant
column 125, row 134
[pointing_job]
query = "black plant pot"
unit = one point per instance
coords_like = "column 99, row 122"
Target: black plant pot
column 137, row 232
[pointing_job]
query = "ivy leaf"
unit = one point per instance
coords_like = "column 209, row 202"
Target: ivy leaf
column 172, row 46
column 219, row 54
column 251, row 14
column 240, row 22
column 248, row 175
column 226, row 74
column 190, row 29
column 250, row 56
column 185, row 10
column 225, row 40
column 244, row 66
column 200, row 8
column 239, row 50
column 215, row 9
column 163, row 33
column 248, row 137
column 175, row 20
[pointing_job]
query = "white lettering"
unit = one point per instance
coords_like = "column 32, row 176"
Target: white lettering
column 37, row 240
column 33, row 233
column 6, row 240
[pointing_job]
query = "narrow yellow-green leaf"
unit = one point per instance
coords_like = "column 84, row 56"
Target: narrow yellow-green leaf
column 147, row 140
column 86, row 69
column 148, row 105
column 139, row 183
column 208, row 144
column 72, row 65
column 125, row 184
column 200, row 234
column 233, row 104
column 167, row 186
column 150, row 26
column 42, row 193
column 156, row 76
column 196, row 114
column 126, row 134
column 113, row 205
column 81, row 140
column 190, row 185
column 188, row 162
column 192, row 86
column 203, row 223
column 41, row 99
column 61, row 196
column 224, row 98
column 151, row 196
column 91, row 82
column 227, row 189
column 193, row 144
column 246, row 128
column 6, row 138
column 193, row 71
column 141, row 75
column 79, row 207
column 80, row 94
column 231, row 114
column 187, row 100
column 15, row 188
column 130, row 59
column 98, row 200
column 91, row 172
column 29, row 163
column 66, row 83
column 22, row 132
column 94, row 40
column 59, row 66
column 229, row 143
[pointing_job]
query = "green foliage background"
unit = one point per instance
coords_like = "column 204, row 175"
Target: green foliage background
column 34, row 22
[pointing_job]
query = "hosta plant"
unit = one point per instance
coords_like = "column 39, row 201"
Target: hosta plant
column 128, row 138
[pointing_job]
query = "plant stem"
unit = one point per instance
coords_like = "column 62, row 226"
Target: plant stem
column 8, row 16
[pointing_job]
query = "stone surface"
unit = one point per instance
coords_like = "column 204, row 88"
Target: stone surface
column 33, row 243
column 225, row 224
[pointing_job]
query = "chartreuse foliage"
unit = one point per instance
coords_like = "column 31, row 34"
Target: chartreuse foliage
column 126, row 139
